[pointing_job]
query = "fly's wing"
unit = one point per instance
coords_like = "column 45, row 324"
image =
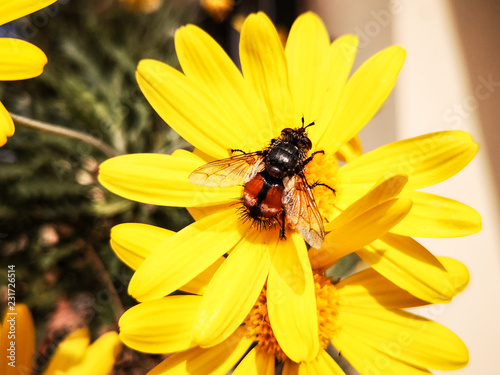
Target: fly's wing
column 302, row 211
column 236, row 170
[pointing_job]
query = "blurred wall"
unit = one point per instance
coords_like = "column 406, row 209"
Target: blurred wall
column 369, row 22
column 438, row 90
column 477, row 24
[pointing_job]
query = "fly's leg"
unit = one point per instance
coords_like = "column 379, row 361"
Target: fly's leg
column 282, row 229
column 310, row 158
column 233, row 150
column 325, row 185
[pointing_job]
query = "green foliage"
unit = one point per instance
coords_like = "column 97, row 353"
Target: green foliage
column 54, row 216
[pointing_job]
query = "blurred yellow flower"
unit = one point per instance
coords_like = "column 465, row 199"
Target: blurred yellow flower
column 18, row 58
column 217, row 9
column 73, row 356
column 361, row 316
column 145, row 6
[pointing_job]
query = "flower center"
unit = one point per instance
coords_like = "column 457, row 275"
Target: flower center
column 259, row 328
column 323, row 169
column 326, row 303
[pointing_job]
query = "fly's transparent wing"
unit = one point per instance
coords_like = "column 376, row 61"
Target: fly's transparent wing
column 301, row 210
column 236, row 170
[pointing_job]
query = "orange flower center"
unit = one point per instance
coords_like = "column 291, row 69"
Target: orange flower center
column 323, row 169
column 327, row 305
column 259, row 328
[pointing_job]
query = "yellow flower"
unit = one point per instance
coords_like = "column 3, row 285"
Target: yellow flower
column 361, row 316
column 146, row 6
column 256, row 257
column 18, row 58
column 217, row 9
column 215, row 107
column 73, row 356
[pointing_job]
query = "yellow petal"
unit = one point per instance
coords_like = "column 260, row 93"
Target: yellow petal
column 369, row 360
column 161, row 180
column 100, row 356
column 205, row 62
column 199, row 284
column 427, row 160
column 160, row 326
column 386, row 188
column 199, row 213
column 342, row 53
column 264, row 65
column 369, row 289
column 234, row 289
column 69, row 353
column 291, row 300
column 12, row 10
column 217, row 360
column 359, row 232
column 350, row 150
column 210, row 127
column 437, row 217
column 459, row 274
column 410, row 266
column 400, row 336
column 323, row 364
column 256, row 362
column 362, row 96
column 17, row 340
column 20, row 60
column 186, row 254
column 6, row 125
column 308, row 56
column 133, row 243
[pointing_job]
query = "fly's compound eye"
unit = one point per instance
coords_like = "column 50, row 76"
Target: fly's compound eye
column 308, row 143
column 304, row 143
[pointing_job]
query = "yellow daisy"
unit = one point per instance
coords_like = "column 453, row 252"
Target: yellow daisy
column 360, row 315
column 255, row 259
column 18, row 58
column 217, row 9
column 215, row 107
column 73, row 355
column 145, row 6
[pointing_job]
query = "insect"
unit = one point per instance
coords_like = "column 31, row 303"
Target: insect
column 275, row 186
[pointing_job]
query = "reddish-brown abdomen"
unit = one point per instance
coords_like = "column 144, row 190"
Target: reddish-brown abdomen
column 252, row 190
column 271, row 205
column 262, row 199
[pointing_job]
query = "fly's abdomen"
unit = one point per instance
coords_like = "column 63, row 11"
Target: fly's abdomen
column 262, row 198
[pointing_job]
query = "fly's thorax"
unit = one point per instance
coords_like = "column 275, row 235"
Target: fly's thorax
column 284, row 159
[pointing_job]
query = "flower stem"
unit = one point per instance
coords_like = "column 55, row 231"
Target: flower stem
column 70, row 133
column 103, row 275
